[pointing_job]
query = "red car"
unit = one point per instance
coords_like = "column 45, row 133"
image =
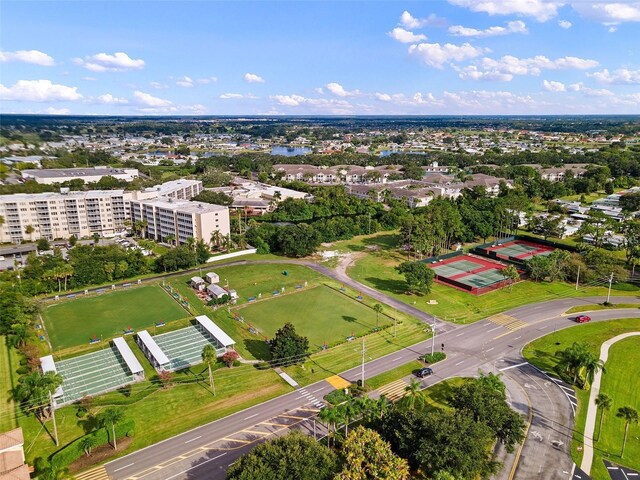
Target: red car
column 583, row 318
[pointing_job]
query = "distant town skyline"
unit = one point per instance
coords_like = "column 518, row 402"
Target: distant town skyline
column 320, row 58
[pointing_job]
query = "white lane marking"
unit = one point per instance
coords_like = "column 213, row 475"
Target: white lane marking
column 122, row 468
column 458, row 363
column 517, row 338
column 494, row 329
column 251, row 416
column 460, row 334
column 542, row 328
column 490, row 349
column 196, row 466
column 513, row 366
column 199, row 436
column 316, row 391
column 396, row 359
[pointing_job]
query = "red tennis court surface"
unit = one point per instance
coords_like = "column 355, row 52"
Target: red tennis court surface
column 470, row 273
column 517, row 250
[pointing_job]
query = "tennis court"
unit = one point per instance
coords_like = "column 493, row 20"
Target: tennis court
column 517, row 250
column 469, row 273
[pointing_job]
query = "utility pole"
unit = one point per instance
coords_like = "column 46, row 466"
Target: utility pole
column 395, row 321
column 363, row 350
column 610, row 282
column 53, row 416
column 433, row 335
column 578, row 277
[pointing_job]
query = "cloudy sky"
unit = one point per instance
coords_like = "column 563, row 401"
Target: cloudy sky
column 320, row 57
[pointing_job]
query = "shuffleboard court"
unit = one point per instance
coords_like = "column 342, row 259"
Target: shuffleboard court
column 74, row 322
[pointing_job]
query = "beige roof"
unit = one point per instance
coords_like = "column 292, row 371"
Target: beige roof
column 10, row 439
column 19, row 473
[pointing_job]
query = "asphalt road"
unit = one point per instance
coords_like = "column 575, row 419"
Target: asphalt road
column 207, row 451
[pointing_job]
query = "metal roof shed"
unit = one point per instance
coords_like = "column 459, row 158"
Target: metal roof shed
column 128, row 356
column 48, row 365
column 215, row 331
column 151, row 348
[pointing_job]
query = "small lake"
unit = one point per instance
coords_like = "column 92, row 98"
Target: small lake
column 290, row 151
column 386, row 153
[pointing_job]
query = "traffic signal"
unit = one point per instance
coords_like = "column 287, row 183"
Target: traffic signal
column 443, row 347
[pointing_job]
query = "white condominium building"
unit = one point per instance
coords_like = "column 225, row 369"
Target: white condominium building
column 31, row 216
column 180, row 219
column 50, row 176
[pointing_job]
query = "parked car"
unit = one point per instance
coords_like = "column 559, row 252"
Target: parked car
column 583, row 318
column 424, row 372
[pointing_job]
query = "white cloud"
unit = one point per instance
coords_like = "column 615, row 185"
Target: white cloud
column 289, row 100
column 104, row 62
column 35, row 57
column 590, row 92
column 38, row 91
column 436, row 55
column 230, row 96
column 510, row 65
column 552, row 86
column 148, row 100
column 88, row 79
column 158, row 85
column 609, row 13
column 109, row 99
column 516, row 26
column 207, row 80
column 383, row 97
column 566, row 24
column 405, row 36
column 185, row 81
column 541, row 10
column 621, row 76
column 324, row 105
column 412, row 22
column 253, row 78
column 339, row 91
column 57, row 111
column 471, row 72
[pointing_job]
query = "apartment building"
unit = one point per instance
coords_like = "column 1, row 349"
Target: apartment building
column 31, row 216
column 180, row 219
column 89, row 175
column 348, row 174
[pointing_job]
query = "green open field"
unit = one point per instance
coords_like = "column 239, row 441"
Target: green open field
column 623, row 367
column 9, row 362
column 320, row 313
column 73, row 322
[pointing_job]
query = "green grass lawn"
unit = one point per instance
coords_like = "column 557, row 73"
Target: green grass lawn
column 438, row 395
column 9, row 361
column 596, row 307
column 73, row 322
column 321, row 314
column 542, row 352
column 395, row 374
column 377, row 269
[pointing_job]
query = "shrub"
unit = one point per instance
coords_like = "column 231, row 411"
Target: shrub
column 336, row 397
column 230, row 358
column 433, row 357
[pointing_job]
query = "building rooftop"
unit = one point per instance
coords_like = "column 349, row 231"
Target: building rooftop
column 184, row 205
column 78, row 172
column 36, row 197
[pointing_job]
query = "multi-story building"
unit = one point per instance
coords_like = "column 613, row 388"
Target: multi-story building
column 89, row 175
column 165, row 218
column 31, row 216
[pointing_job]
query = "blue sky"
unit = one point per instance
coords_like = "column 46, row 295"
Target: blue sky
column 320, row 57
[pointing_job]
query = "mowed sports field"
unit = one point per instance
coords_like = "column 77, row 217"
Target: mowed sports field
column 73, row 322
column 319, row 313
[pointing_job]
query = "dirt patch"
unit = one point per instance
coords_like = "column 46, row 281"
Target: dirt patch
column 99, row 455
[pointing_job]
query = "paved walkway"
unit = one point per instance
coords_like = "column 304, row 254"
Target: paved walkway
column 592, row 409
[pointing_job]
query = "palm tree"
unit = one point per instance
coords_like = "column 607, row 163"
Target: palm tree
column 591, row 365
column 216, row 238
column 572, row 359
column 29, row 229
column 66, row 271
column 209, row 357
column 191, row 245
column 349, row 410
column 413, row 393
column 603, row 402
column 36, row 388
column 330, row 416
column 87, row 444
column 170, row 239
column 112, row 416
column 378, row 309
column 629, row 415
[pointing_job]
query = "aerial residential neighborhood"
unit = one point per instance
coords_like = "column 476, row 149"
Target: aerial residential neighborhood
column 316, row 240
